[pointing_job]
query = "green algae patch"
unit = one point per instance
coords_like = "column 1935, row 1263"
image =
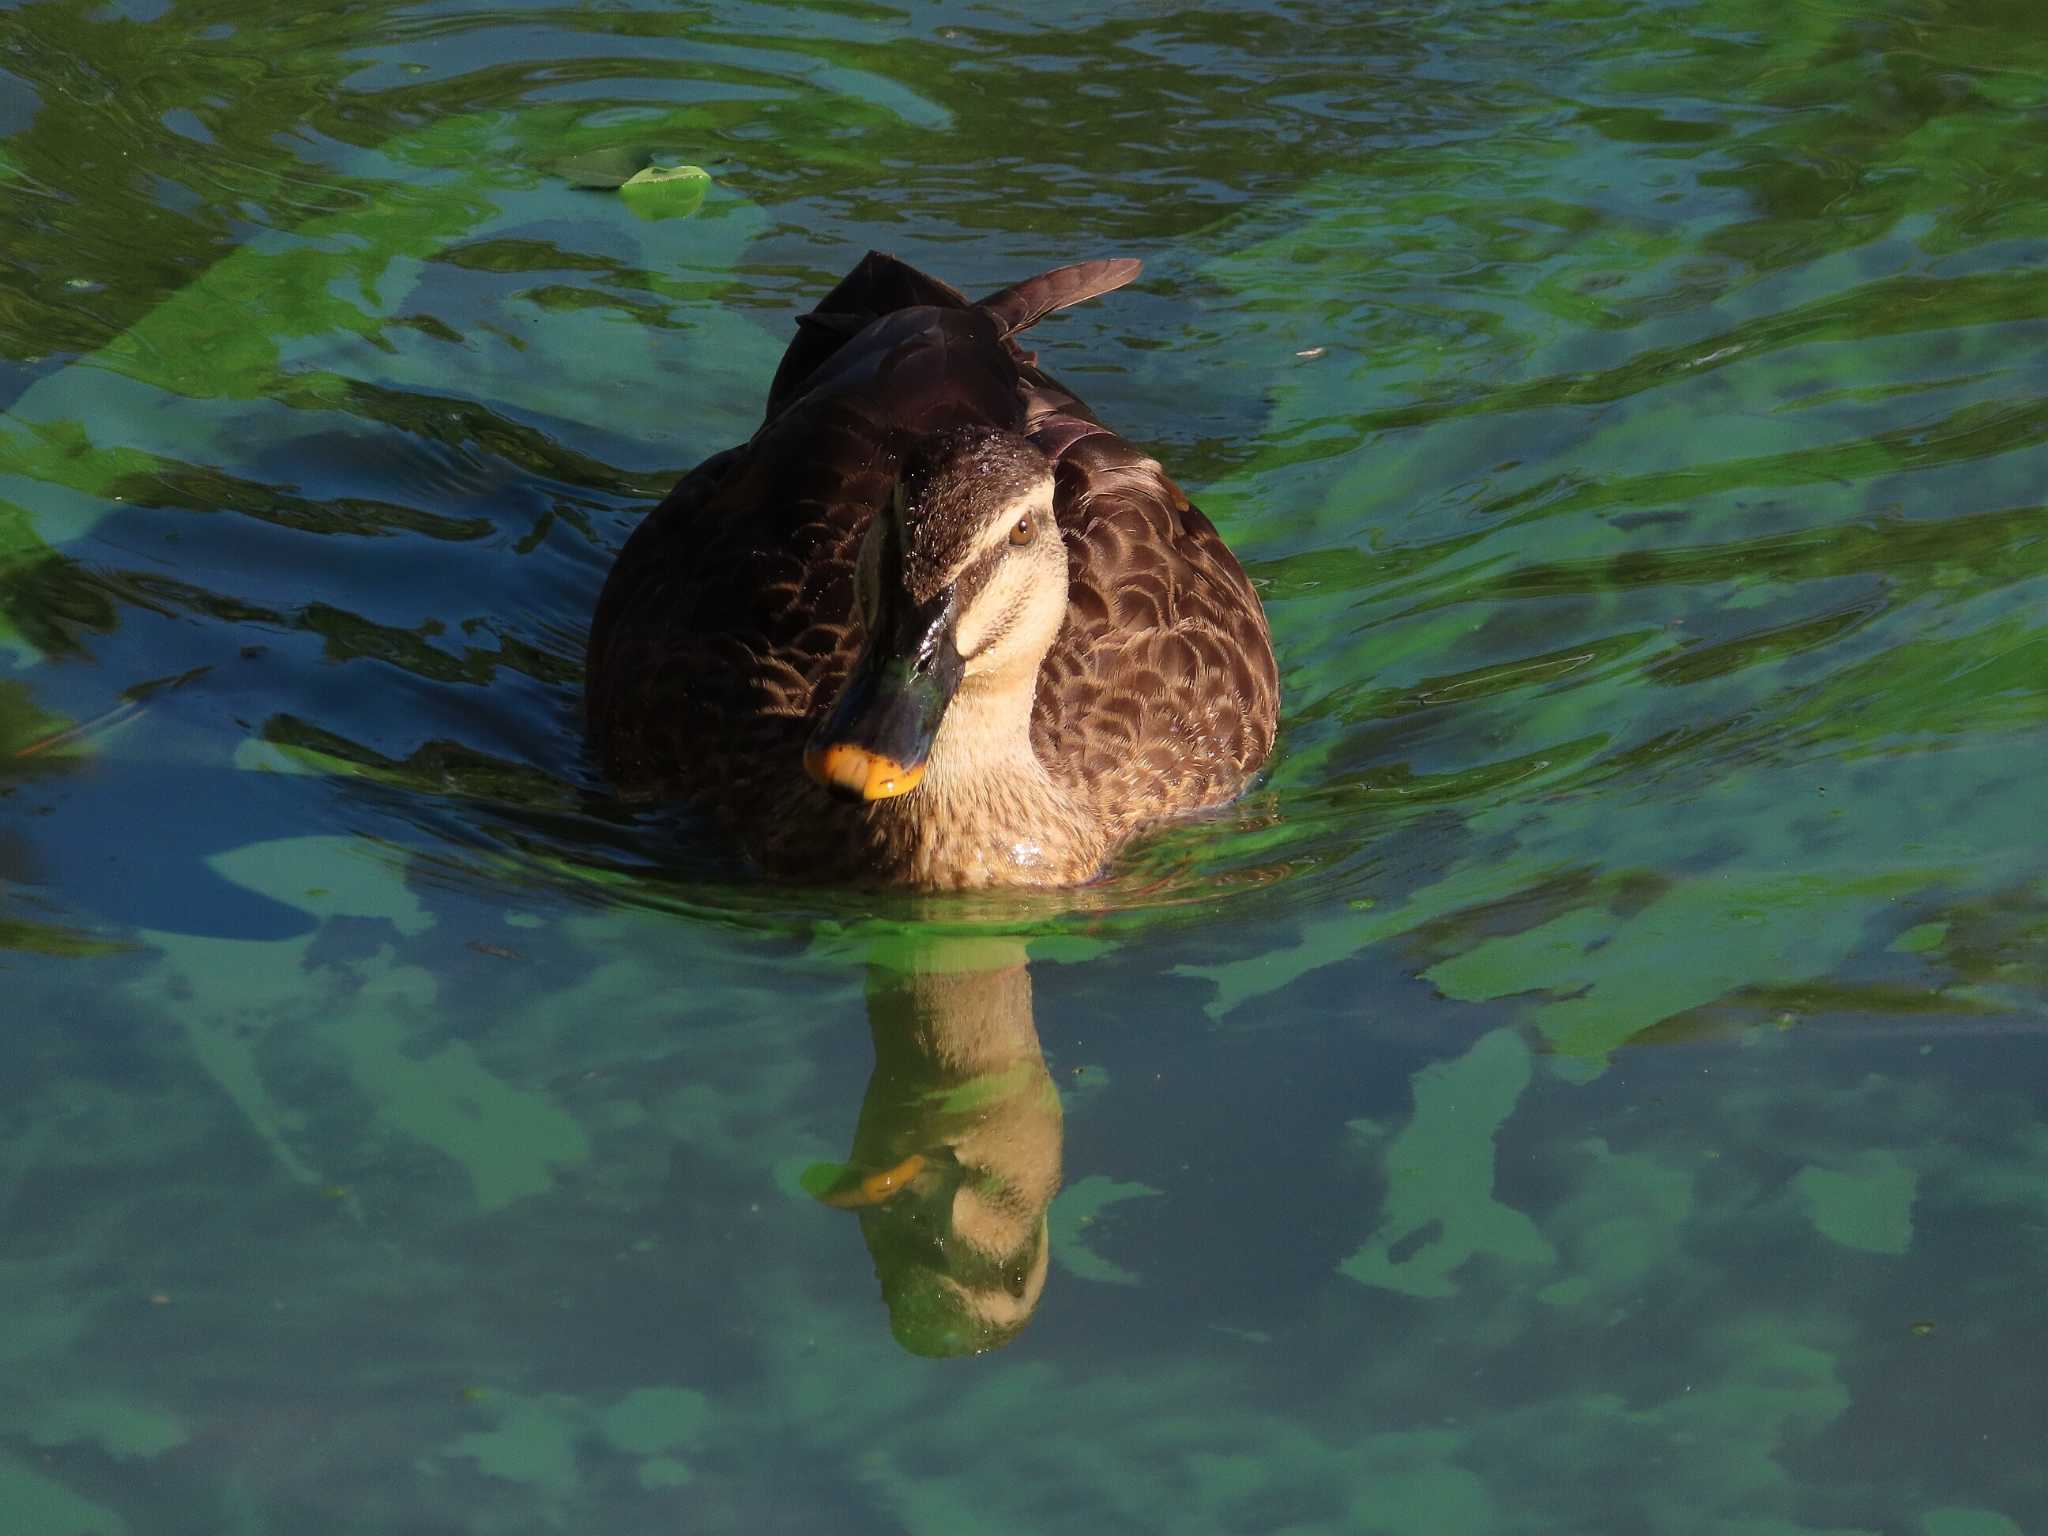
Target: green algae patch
column 232, row 993
column 652, row 1420
column 536, row 1441
column 1920, row 939
column 1867, row 1206
column 2017, row 1179
column 534, row 1444
column 1786, row 1528
column 373, row 1013
column 36, row 1505
column 507, row 1139
column 1415, row 1485
column 1958, row 1520
column 1184, row 1447
column 663, row 1472
column 326, row 877
column 41, row 1311
column 1332, row 938
column 1692, row 945
column 1753, row 1388
column 118, row 1426
column 1525, row 961
column 63, row 455
column 1074, row 1219
column 27, row 731
column 54, row 939
column 1440, row 1210
column 1625, row 1219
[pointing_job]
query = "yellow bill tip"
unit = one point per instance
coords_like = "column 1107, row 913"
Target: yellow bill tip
column 859, row 774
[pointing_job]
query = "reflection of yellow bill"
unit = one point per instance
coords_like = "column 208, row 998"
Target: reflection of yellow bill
column 878, row 1186
column 132, row 700
column 84, row 731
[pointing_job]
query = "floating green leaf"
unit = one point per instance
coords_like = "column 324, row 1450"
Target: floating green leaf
column 666, row 192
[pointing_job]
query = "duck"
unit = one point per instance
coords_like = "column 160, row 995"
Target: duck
column 934, row 625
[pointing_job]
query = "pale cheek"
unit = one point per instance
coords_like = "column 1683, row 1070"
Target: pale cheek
column 1019, row 612
column 974, row 638
column 970, row 638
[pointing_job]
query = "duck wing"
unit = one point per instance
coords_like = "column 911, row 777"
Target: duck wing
column 1160, row 695
column 729, row 615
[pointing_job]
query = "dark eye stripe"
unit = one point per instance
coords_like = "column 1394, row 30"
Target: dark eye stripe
column 977, row 576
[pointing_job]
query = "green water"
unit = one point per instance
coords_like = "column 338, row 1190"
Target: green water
column 1593, row 1084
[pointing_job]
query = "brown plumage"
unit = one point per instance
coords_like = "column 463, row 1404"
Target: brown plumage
column 741, row 609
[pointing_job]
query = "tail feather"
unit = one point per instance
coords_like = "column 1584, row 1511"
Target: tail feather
column 880, row 284
column 1025, row 304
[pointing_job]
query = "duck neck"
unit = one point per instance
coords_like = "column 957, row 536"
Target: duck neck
column 987, row 812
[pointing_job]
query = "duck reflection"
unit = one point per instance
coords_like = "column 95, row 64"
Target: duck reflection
column 956, row 1157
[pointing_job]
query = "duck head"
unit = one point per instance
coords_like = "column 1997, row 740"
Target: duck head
column 962, row 588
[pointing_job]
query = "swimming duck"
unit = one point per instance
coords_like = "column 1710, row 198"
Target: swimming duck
column 934, row 625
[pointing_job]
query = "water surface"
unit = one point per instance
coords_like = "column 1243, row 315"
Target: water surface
column 1591, row 1084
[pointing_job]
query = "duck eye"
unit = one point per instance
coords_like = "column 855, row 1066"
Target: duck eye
column 1023, row 532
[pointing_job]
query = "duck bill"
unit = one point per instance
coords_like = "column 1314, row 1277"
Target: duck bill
column 877, row 738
